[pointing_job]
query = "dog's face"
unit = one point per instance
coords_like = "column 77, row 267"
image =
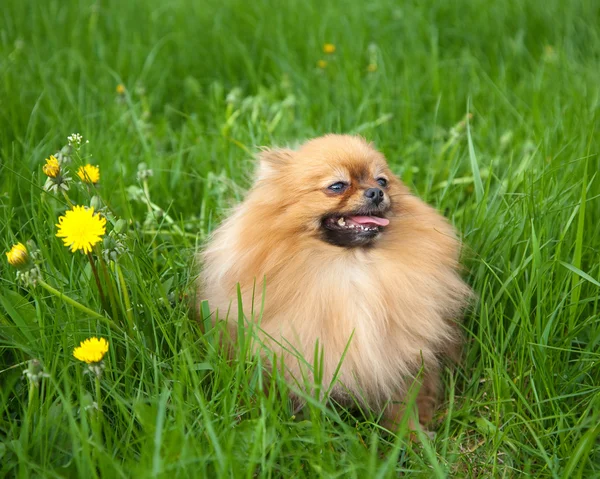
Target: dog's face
column 338, row 188
column 354, row 202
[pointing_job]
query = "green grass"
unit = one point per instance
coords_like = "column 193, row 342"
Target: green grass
column 206, row 83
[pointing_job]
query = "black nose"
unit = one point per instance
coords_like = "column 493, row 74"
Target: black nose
column 375, row 195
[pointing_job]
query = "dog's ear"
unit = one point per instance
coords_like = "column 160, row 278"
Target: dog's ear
column 271, row 161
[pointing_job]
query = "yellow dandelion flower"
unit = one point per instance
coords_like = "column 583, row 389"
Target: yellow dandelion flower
column 18, row 256
column 52, row 167
column 80, row 229
column 91, row 350
column 121, row 89
column 322, row 64
column 329, row 48
column 89, row 173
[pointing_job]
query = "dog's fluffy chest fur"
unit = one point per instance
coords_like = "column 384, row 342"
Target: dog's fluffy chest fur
column 383, row 327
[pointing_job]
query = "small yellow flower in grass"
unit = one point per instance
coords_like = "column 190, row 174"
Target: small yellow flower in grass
column 80, row 229
column 52, row 167
column 57, row 178
column 322, row 64
column 329, row 48
column 91, row 350
column 121, row 89
column 18, row 256
column 89, row 173
column 371, row 67
column 549, row 55
column 24, row 259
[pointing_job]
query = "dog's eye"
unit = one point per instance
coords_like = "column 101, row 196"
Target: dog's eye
column 382, row 182
column 338, row 187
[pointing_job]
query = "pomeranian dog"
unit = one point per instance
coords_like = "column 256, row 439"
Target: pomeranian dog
column 354, row 265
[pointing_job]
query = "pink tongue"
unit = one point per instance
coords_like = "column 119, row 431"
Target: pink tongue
column 369, row 220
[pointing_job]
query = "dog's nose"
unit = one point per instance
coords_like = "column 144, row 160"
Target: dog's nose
column 375, row 195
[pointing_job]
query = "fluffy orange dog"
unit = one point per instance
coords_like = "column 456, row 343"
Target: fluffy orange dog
column 354, row 263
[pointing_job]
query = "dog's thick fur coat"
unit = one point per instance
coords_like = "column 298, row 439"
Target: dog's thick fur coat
column 393, row 303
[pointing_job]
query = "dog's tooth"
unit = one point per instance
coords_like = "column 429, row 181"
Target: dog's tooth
column 341, row 221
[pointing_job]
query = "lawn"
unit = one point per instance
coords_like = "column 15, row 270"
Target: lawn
column 487, row 109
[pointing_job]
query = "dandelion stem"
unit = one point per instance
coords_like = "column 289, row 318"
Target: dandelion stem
column 149, row 204
column 98, row 394
column 98, row 413
column 128, row 310
column 68, row 300
column 109, row 286
column 67, row 198
column 97, row 278
column 147, row 195
column 32, row 402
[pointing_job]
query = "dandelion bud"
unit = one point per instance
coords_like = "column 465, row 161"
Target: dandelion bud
column 96, row 203
column 31, row 246
column 64, row 155
column 120, row 226
column 52, row 167
column 144, row 172
column 24, row 259
column 35, row 372
column 18, row 256
column 33, row 250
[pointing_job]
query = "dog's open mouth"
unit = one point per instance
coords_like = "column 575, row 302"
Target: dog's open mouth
column 358, row 222
column 352, row 229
